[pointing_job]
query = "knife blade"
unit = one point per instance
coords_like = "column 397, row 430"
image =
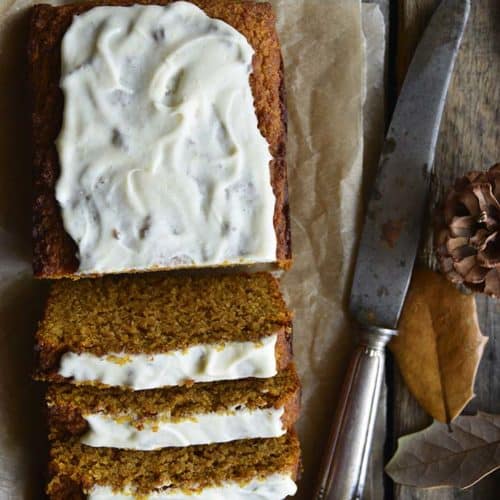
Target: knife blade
column 388, row 247
column 392, row 227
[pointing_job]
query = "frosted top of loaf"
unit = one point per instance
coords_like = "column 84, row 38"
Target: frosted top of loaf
column 162, row 161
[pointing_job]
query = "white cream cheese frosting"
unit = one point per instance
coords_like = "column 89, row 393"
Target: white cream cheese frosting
column 240, row 423
column 273, row 487
column 162, row 161
column 200, row 363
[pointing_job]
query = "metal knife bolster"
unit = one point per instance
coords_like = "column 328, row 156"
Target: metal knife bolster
column 346, row 455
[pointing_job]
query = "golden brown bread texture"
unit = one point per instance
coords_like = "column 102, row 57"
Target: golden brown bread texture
column 158, row 312
column 75, row 468
column 55, row 253
column 68, row 404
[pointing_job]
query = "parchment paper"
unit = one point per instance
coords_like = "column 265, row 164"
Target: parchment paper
column 326, row 75
column 324, row 58
column 324, row 66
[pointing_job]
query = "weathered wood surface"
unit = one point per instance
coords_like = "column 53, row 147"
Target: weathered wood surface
column 469, row 139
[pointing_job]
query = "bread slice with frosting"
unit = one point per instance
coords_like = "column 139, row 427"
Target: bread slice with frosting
column 156, row 330
column 202, row 414
column 252, row 468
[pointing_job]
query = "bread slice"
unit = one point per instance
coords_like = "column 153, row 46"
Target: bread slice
column 154, row 330
column 55, row 253
column 181, row 416
column 78, row 471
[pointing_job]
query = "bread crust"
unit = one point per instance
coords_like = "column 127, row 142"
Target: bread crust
column 54, row 251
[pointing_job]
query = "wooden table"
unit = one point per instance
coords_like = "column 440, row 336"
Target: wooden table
column 469, row 139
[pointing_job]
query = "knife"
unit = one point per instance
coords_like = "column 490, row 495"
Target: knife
column 388, row 247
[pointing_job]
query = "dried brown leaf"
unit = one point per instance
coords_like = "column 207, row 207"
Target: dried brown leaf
column 439, row 345
column 457, row 455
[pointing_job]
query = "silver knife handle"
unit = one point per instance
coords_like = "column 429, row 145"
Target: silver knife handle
column 345, row 460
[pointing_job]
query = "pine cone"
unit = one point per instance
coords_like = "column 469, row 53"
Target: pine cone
column 468, row 236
